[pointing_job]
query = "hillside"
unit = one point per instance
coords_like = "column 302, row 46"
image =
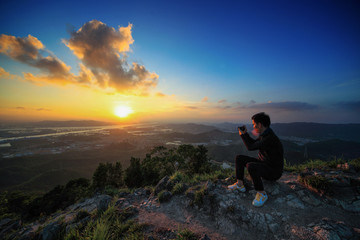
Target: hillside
column 180, row 193
column 207, row 210
column 308, row 130
column 24, row 165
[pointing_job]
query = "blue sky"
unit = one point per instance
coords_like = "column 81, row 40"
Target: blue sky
column 296, row 60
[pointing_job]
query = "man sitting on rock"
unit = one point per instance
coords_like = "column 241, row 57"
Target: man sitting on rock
column 270, row 162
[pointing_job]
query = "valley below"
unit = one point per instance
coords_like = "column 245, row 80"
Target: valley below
column 37, row 158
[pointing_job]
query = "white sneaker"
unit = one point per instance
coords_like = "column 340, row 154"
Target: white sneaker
column 235, row 186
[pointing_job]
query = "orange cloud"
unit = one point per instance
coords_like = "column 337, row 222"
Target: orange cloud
column 205, row 99
column 160, row 94
column 102, row 52
column 43, row 109
column 191, row 107
column 26, row 50
column 22, row 49
column 3, row 73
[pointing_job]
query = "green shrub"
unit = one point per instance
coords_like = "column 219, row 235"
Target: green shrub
column 222, row 174
column 100, row 231
column 179, row 188
column 315, row 164
column 312, row 164
column 318, row 183
column 113, row 223
column 186, row 234
column 199, row 196
column 73, row 234
column 355, row 163
column 58, row 198
column 107, row 174
column 15, row 204
column 291, row 168
column 334, row 163
column 133, row 174
column 112, row 191
column 179, row 177
column 164, row 196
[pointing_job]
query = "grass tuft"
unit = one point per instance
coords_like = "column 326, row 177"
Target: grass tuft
column 186, row 234
column 318, row 183
column 179, row 188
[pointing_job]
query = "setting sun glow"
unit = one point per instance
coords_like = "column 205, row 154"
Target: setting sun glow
column 123, row 111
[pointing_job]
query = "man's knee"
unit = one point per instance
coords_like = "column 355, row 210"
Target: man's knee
column 251, row 167
column 240, row 159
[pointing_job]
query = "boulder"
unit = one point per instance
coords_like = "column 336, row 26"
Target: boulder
column 332, row 230
column 51, row 231
column 162, row 185
column 98, row 202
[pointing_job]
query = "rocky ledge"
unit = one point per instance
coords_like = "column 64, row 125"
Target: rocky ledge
column 295, row 210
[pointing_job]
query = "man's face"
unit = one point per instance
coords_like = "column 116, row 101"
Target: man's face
column 256, row 126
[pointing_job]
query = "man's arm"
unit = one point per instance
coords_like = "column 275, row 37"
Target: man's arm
column 252, row 144
column 249, row 142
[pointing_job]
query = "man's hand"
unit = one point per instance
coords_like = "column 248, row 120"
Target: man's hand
column 242, row 132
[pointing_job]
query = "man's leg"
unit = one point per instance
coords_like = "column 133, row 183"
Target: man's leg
column 258, row 170
column 240, row 163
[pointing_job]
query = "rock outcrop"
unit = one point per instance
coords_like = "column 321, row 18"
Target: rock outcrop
column 210, row 210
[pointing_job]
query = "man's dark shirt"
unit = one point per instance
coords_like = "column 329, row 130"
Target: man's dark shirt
column 270, row 148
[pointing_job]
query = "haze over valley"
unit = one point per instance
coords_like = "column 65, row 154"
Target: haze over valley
column 39, row 156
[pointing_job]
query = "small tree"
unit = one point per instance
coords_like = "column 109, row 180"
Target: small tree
column 150, row 170
column 116, row 175
column 108, row 175
column 200, row 161
column 195, row 158
column 133, row 174
column 100, row 176
column 76, row 189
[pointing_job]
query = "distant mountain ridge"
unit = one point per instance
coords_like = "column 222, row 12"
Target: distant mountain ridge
column 193, row 128
column 316, row 131
column 310, row 130
column 70, row 123
column 319, row 131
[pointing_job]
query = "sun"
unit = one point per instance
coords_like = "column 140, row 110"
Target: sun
column 123, row 111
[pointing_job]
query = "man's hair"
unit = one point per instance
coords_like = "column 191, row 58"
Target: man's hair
column 262, row 118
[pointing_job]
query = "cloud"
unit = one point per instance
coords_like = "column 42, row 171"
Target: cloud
column 27, row 50
column 160, row 94
column 22, row 49
column 222, row 101
column 43, row 109
column 350, row 105
column 191, row 107
column 103, row 61
column 205, row 99
column 39, row 109
column 102, row 51
column 224, row 107
column 5, row 75
column 284, row 106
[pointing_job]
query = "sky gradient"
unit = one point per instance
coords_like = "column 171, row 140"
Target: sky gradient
column 184, row 61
